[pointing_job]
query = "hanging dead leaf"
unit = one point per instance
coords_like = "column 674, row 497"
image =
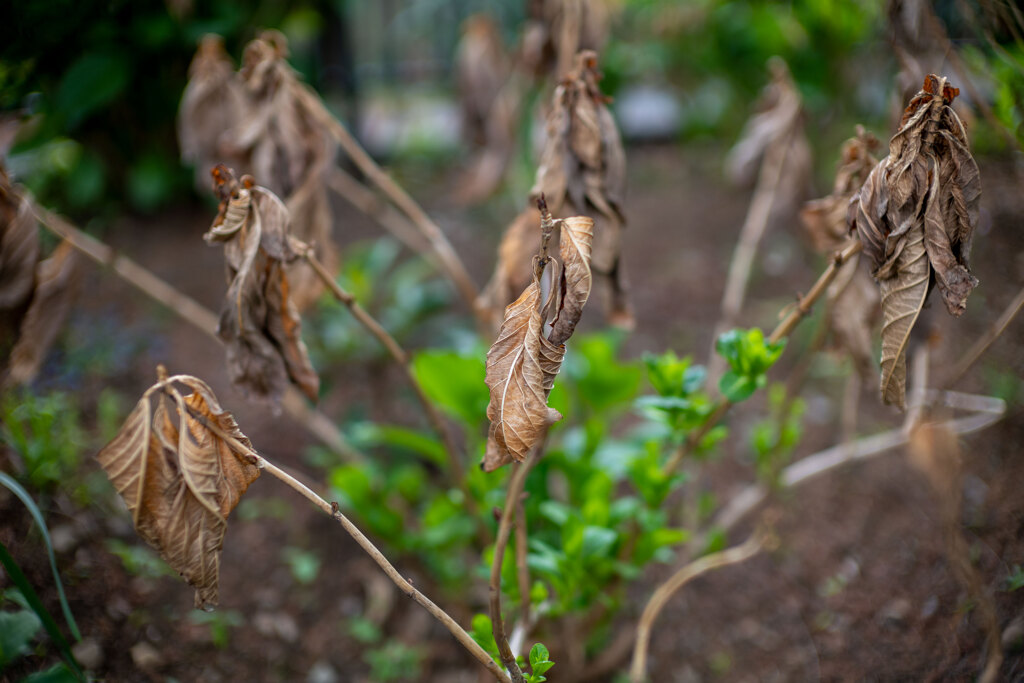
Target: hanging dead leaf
column 583, row 171
column 523, row 362
column 212, row 104
column 51, row 302
column 915, row 215
column 853, row 298
column 181, row 466
column 258, row 322
column 513, row 271
column 35, row 296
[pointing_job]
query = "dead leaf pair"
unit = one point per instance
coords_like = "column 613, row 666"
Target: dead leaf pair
column 258, row 321
column 181, row 464
column 916, row 214
column 527, row 355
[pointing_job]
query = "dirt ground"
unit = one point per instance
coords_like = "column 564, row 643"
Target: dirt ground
column 860, row 587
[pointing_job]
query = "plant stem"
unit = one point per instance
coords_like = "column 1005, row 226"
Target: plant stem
column 403, row 584
column 515, row 490
column 439, row 244
column 734, row 555
column 522, row 569
column 801, row 310
column 400, row 356
column 319, row 425
column 979, row 347
column 389, row 218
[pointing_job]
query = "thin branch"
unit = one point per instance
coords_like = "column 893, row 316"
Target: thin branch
column 522, row 568
column 434, row 236
column 734, row 555
column 400, row 356
column 403, row 584
column 985, row 341
column 389, row 218
column 515, row 490
column 318, row 424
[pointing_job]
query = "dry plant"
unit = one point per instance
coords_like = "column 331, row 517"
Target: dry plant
column 582, row 171
column 915, row 216
column 774, row 149
column 259, row 323
column 36, row 293
column 527, row 355
column 182, row 466
column 556, row 30
column 255, row 121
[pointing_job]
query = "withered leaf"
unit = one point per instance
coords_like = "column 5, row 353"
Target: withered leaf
column 583, row 171
column 181, row 470
column 575, row 239
column 51, row 301
column 513, row 271
column 290, row 151
column 523, row 362
column 212, row 104
column 518, row 408
column 258, row 321
column 853, row 297
column 915, row 216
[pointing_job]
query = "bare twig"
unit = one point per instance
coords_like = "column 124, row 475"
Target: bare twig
column 734, row 555
column 515, row 490
column 332, row 509
column 522, row 569
column 319, row 425
column 389, row 218
column 439, row 244
column 979, row 347
column 400, row 356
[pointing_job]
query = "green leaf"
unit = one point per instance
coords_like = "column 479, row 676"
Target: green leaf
column 58, row 673
column 455, row 383
column 19, row 579
column 33, row 509
column 538, row 653
column 598, row 541
column 401, row 438
column 17, row 630
column 540, row 663
column 93, row 81
column 736, row 387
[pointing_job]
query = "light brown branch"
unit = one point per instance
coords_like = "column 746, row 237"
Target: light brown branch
column 403, row 584
column 979, row 347
column 439, row 244
column 522, row 569
column 734, row 555
column 400, row 356
column 319, row 425
column 515, row 490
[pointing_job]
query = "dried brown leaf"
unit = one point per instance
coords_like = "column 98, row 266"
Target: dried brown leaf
column 518, row 408
column 19, row 246
column 51, row 301
column 513, row 271
column 583, row 171
column 573, row 284
column 181, row 470
column 258, row 321
column 916, row 216
column 213, row 103
column 523, row 362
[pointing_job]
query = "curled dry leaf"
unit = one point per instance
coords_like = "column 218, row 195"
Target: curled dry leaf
column 774, row 141
column 35, row 295
column 916, row 215
column 182, row 464
column 583, row 171
column 212, row 104
column 853, row 298
column 523, row 362
column 513, row 271
column 258, row 321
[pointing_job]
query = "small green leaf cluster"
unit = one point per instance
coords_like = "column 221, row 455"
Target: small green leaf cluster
column 775, row 437
column 540, row 662
column 749, row 356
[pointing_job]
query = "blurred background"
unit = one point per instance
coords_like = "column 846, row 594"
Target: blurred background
column 860, row 587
